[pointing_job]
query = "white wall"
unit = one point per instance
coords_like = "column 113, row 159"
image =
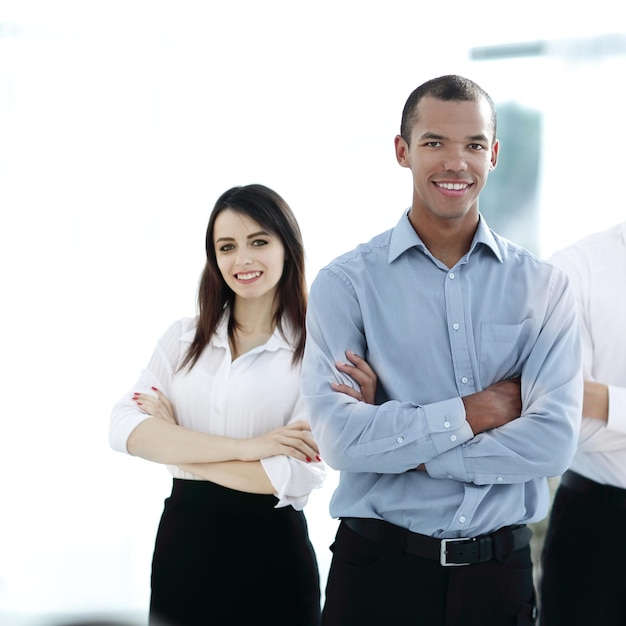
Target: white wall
column 120, row 124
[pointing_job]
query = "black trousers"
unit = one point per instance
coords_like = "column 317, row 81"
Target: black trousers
column 584, row 558
column 371, row 584
column 229, row 558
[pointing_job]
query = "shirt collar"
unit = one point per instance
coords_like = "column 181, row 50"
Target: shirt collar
column 404, row 237
column 220, row 338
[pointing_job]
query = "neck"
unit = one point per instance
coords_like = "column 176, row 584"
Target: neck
column 254, row 316
column 448, row 240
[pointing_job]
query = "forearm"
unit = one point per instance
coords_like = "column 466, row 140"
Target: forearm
column 248, row 476
column 540, row 443
column 390, row 438
column 161, row 442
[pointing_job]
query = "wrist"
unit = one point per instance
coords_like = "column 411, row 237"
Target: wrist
column 596, row 401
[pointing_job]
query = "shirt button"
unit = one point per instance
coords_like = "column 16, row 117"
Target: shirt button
column 450, row 476
column 452, row 437
column 499, row 479
column 451, row 275
column 446, row 424
column 464, row 380
column 456, row 326
column 400, row 439
column 462, row 519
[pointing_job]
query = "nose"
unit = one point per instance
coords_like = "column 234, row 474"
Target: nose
column 454, row 160
column 243, row 258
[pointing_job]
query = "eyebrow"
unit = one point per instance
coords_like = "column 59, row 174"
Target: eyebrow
column 431, row 135
column 250, row 236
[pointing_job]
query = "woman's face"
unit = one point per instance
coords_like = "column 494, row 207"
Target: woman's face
column 250, row 258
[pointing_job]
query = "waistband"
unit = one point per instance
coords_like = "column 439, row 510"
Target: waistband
column 462, row 551
column 608, row 494
column 203, row 493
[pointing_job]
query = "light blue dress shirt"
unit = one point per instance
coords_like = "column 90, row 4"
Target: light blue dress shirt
column 433, row 335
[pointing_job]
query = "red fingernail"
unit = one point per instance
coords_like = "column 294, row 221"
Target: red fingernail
column 154, row 389
column 308, row 460
column 139, row 403
column 318, row 458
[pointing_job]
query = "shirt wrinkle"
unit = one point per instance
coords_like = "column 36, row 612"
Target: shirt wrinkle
column 209, row 398
column 432, row 338
column 596, row 269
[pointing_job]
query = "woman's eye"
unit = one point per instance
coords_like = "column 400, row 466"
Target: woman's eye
column 259, row 242
column 227, row 247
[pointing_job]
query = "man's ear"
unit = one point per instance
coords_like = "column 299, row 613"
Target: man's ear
column 494, row 155
column 402, row 150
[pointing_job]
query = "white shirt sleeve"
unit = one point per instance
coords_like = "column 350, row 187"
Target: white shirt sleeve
column 209, row 399
column 595, row 268
column 617, row 409
column 293, row 479
column 126, row 416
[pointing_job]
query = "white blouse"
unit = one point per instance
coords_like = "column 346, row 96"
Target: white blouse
column 596, row 266
column 252, row 395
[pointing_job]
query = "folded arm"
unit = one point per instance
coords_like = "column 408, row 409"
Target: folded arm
column 483, row 438
column 160, row 439
column 543, row 441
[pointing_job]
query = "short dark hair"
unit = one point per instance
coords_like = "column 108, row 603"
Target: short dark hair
column 272, row 213
column 449, row 87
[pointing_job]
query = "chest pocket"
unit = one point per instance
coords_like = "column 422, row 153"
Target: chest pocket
column 503, row 350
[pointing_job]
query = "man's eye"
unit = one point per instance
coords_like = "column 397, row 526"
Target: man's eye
column 433, row 144
column 477, row 146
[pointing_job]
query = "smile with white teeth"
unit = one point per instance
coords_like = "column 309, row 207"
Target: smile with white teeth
column 453, row 186
column 248, row 275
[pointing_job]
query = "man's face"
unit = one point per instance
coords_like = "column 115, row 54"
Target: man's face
column 450, row 156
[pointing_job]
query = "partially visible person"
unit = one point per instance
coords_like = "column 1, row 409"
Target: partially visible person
column 583, row 574
column 475, row 344
column 219, row 404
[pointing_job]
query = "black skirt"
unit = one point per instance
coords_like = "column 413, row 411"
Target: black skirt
column 225, row 557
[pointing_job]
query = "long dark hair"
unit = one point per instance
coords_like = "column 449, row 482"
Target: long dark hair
column 271, row 212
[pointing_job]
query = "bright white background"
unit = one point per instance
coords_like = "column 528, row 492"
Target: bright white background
column 120, row 124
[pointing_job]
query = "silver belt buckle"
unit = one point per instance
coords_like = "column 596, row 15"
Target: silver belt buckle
column 443, row 551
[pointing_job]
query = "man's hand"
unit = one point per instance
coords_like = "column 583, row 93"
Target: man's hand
column 494, row 406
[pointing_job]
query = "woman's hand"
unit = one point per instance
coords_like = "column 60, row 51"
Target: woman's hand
column 159, row 407
column 363, row 374
column 294, row 440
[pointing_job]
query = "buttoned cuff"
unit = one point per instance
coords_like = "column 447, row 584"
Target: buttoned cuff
column 293, row 480
column 617, row 409
column 447, row 425
column 450, row 465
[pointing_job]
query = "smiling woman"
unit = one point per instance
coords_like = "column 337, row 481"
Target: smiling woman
column 219, row 404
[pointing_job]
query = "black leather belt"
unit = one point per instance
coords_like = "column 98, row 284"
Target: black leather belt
column 462, row 551
column 608, row 494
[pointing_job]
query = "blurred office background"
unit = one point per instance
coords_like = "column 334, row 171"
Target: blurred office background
column 121, row 121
